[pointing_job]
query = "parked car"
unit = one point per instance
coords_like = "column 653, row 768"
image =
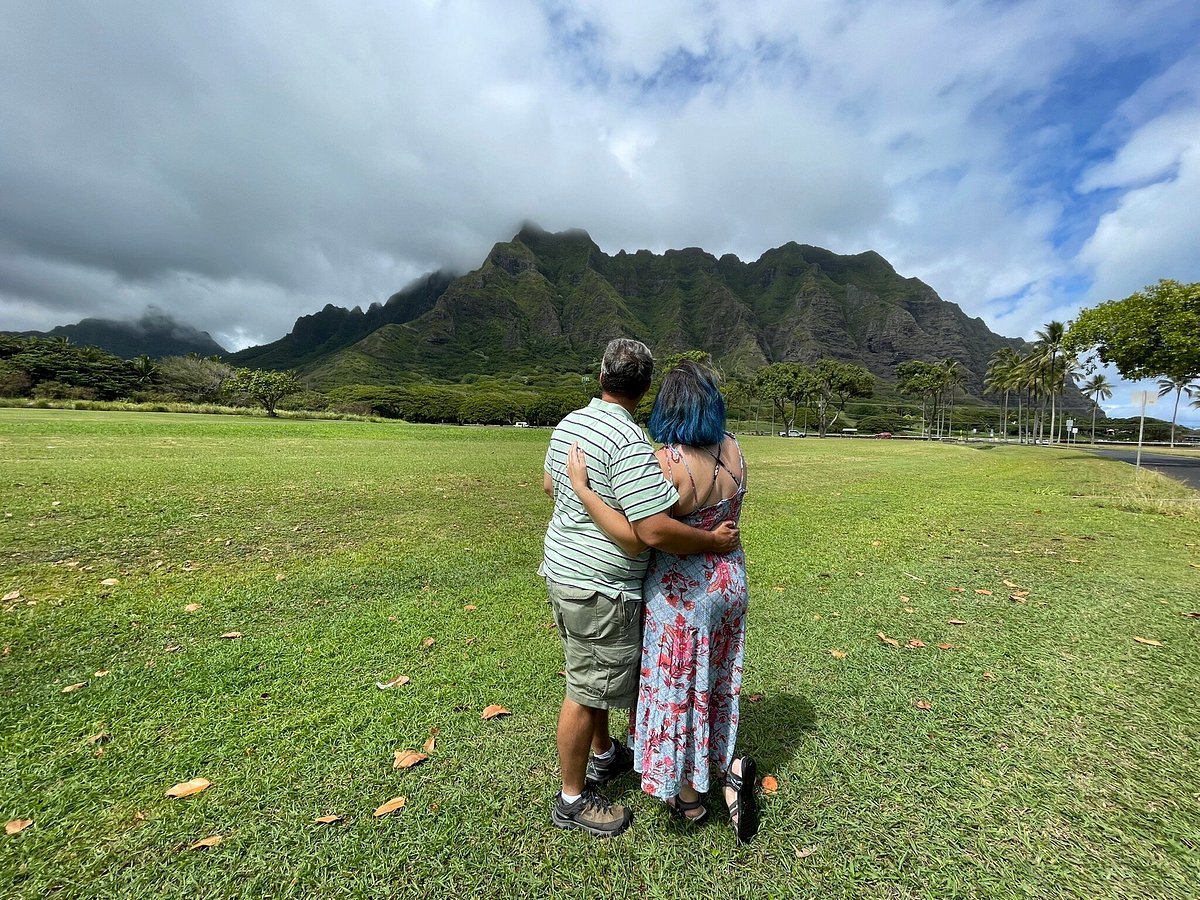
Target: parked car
column 884, row 434
column 792, row 433
column 520, row 424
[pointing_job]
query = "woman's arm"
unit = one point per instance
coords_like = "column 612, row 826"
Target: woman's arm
column 610, row 521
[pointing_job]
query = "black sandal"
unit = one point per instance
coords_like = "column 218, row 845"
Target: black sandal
column 680, row 808
column 743, row 811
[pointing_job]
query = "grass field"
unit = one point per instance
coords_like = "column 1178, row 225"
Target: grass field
column 1057, row 758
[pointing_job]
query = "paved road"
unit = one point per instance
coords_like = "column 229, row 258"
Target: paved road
column 1182, row 468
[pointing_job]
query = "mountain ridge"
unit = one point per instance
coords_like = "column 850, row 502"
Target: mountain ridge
column 155, row 334
column 549, row 301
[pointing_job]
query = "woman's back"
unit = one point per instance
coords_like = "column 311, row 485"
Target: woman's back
column 706, row 477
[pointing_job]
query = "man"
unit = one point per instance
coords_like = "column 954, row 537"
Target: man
column 596, row 589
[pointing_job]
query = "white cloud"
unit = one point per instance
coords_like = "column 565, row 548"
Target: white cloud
column 243, row 165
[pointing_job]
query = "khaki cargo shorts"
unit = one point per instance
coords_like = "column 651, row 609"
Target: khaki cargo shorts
column 602, row 643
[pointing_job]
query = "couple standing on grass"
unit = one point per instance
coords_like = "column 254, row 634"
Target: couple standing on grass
column 647, row 581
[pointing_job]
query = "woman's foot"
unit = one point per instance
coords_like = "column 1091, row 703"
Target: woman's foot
column 689, row 810
column 739, row 797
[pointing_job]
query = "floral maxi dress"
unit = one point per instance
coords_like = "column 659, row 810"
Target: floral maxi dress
column 691, row 670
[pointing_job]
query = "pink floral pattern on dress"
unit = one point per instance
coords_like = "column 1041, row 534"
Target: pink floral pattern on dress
column 691, row 677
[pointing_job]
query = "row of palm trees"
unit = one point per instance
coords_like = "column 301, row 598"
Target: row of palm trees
column 1039, row 378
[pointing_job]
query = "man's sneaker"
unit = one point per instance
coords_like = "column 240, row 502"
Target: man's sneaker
column 601, row 772
column 593, row 813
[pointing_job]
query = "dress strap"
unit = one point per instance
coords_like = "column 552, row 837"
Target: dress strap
column 678, row 453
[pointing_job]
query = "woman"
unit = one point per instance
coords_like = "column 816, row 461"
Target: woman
column 695, row 609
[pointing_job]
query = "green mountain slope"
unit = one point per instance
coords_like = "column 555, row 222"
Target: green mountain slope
column 549, row 302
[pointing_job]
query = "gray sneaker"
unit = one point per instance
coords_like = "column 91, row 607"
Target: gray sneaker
column 601, row 773
column 593, row 813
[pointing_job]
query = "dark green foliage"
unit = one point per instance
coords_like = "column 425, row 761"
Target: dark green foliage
column 1149, row 334
column 55, row 368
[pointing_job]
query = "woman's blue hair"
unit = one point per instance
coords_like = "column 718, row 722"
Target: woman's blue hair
column 689, row 409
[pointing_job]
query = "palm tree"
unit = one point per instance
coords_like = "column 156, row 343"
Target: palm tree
column 144, row 369
column 1178, row 385
column 952, row 377
column 1001, row 380
column 1096, row 388
column 1049, row 344
column 1031, row 378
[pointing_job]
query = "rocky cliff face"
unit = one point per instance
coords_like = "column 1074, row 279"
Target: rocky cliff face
column 549, row 302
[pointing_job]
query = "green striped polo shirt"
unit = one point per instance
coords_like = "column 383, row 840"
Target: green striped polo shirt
column 623, row 470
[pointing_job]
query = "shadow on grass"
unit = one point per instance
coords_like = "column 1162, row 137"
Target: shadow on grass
column 773, row 729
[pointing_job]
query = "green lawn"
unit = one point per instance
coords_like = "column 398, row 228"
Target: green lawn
column 1058, row 758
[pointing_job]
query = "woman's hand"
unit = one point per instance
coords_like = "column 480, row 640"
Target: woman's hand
column 577, row 468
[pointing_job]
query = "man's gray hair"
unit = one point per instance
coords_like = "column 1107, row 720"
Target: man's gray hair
column 627, row 368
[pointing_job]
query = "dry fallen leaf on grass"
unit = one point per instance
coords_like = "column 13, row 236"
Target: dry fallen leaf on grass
column 406, row 759
column 279, row 576
column 891, row 642
column 988, row 675
column 916, row 644
column 957, row 590
column 955, row 622
column 110, row 582
column 395, row 682
column 327, row 820
column 432, row 740
column 98, row 738
column 805, row 852
column 232, row 635
column 1149, row 642
column 923, row 704
column 16, row 826
column 1010, row 584
column 1186, row 615
column 756, row 698
column 945, row 646
column 206, row 843
column 427, row 643
column 102, row 673
column 470, row 606
column 188, row 788
column 984, row 591
column 1194, row 565
column 562, row 674
column 769, row 784
column 494, row 712
column 71, row 688
column 192, row 607
column 12, row 595
column 173, row 648
column 838, row 654
column 391, row 806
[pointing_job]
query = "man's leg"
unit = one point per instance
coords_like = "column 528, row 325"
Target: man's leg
column 578, row 728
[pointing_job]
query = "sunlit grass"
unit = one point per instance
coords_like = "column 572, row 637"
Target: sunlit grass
column 336, row 548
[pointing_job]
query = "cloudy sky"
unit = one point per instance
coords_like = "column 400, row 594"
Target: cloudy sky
column 239, row 164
